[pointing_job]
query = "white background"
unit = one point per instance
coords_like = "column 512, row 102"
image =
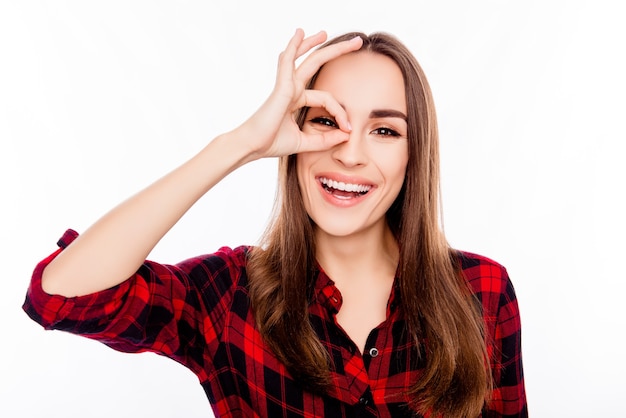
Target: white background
column 98, row 99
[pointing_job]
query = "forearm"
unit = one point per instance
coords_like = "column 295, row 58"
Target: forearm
column 114, row 247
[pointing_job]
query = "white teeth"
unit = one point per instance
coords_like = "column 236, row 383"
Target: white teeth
column 346, row 187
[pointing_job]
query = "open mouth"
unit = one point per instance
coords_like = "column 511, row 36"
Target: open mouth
column 343, row 190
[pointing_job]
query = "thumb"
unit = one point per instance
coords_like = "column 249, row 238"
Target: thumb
column 322, row 141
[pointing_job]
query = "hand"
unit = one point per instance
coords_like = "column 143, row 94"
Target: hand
column 272, row 130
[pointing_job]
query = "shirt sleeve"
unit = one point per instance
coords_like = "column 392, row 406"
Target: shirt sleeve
column 509, row 395
column 174, row 310
column 491, row 284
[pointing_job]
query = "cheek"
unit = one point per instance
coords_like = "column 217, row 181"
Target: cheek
column 304, row 163
column 303, row 173
column 394, row 164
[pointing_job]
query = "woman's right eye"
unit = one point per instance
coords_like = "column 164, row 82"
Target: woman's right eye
column 321, row 120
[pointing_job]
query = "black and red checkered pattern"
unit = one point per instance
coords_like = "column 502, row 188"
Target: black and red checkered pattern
column 198, row 313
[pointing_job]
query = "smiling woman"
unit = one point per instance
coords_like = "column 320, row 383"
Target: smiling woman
column 354, row 304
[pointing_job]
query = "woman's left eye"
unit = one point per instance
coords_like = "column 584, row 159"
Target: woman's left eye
column 385, row 132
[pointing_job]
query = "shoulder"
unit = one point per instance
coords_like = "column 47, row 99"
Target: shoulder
column 216, row 278
column 488, row 279
column 476, row 265
column 228, row 260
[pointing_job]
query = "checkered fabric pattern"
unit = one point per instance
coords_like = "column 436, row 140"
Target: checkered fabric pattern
column 198, row 313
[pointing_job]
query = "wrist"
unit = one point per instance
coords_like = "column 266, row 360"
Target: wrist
column 234, row 148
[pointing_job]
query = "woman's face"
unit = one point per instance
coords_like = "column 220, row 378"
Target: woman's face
column 349, row 188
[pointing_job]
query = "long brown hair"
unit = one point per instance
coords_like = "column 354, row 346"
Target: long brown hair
column 436, row 303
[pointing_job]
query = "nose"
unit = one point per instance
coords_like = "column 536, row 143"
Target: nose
column 351, row 153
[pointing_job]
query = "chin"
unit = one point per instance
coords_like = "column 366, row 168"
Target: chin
column 341, row 228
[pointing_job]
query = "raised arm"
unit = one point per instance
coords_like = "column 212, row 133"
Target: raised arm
column 114, row 247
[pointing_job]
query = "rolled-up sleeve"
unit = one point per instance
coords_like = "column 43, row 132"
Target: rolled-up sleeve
column 173, row 310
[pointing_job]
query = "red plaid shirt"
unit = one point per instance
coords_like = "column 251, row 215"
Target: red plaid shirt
column 198, row 313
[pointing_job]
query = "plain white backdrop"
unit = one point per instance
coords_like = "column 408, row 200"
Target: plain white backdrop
column 98, row 99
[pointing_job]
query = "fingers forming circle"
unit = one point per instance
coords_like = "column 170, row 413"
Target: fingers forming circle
column 319, row 98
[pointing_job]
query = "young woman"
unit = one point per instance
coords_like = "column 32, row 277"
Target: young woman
column 354, row 305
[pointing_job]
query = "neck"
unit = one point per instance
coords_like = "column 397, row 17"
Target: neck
column 371, row 254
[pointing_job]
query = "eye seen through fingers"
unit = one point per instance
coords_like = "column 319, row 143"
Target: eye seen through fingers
column 325, row 121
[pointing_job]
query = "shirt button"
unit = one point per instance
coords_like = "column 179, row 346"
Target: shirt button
column 373, row 351
column 363, row 400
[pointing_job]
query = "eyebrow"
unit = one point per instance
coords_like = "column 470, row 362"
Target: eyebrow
column 384, row 113
column 387, row 113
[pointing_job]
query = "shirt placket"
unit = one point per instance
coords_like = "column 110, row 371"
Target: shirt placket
column 357, row 380
column 354, row 383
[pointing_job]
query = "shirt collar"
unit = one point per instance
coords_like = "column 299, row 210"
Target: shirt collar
column 328, row 295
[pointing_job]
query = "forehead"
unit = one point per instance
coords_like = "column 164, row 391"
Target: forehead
column 364, row 78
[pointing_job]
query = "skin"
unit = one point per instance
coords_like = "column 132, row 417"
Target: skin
column 354, row 243
column 116, row 245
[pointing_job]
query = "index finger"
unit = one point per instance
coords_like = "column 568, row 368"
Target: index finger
column 299, row 45
column 313, row 62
